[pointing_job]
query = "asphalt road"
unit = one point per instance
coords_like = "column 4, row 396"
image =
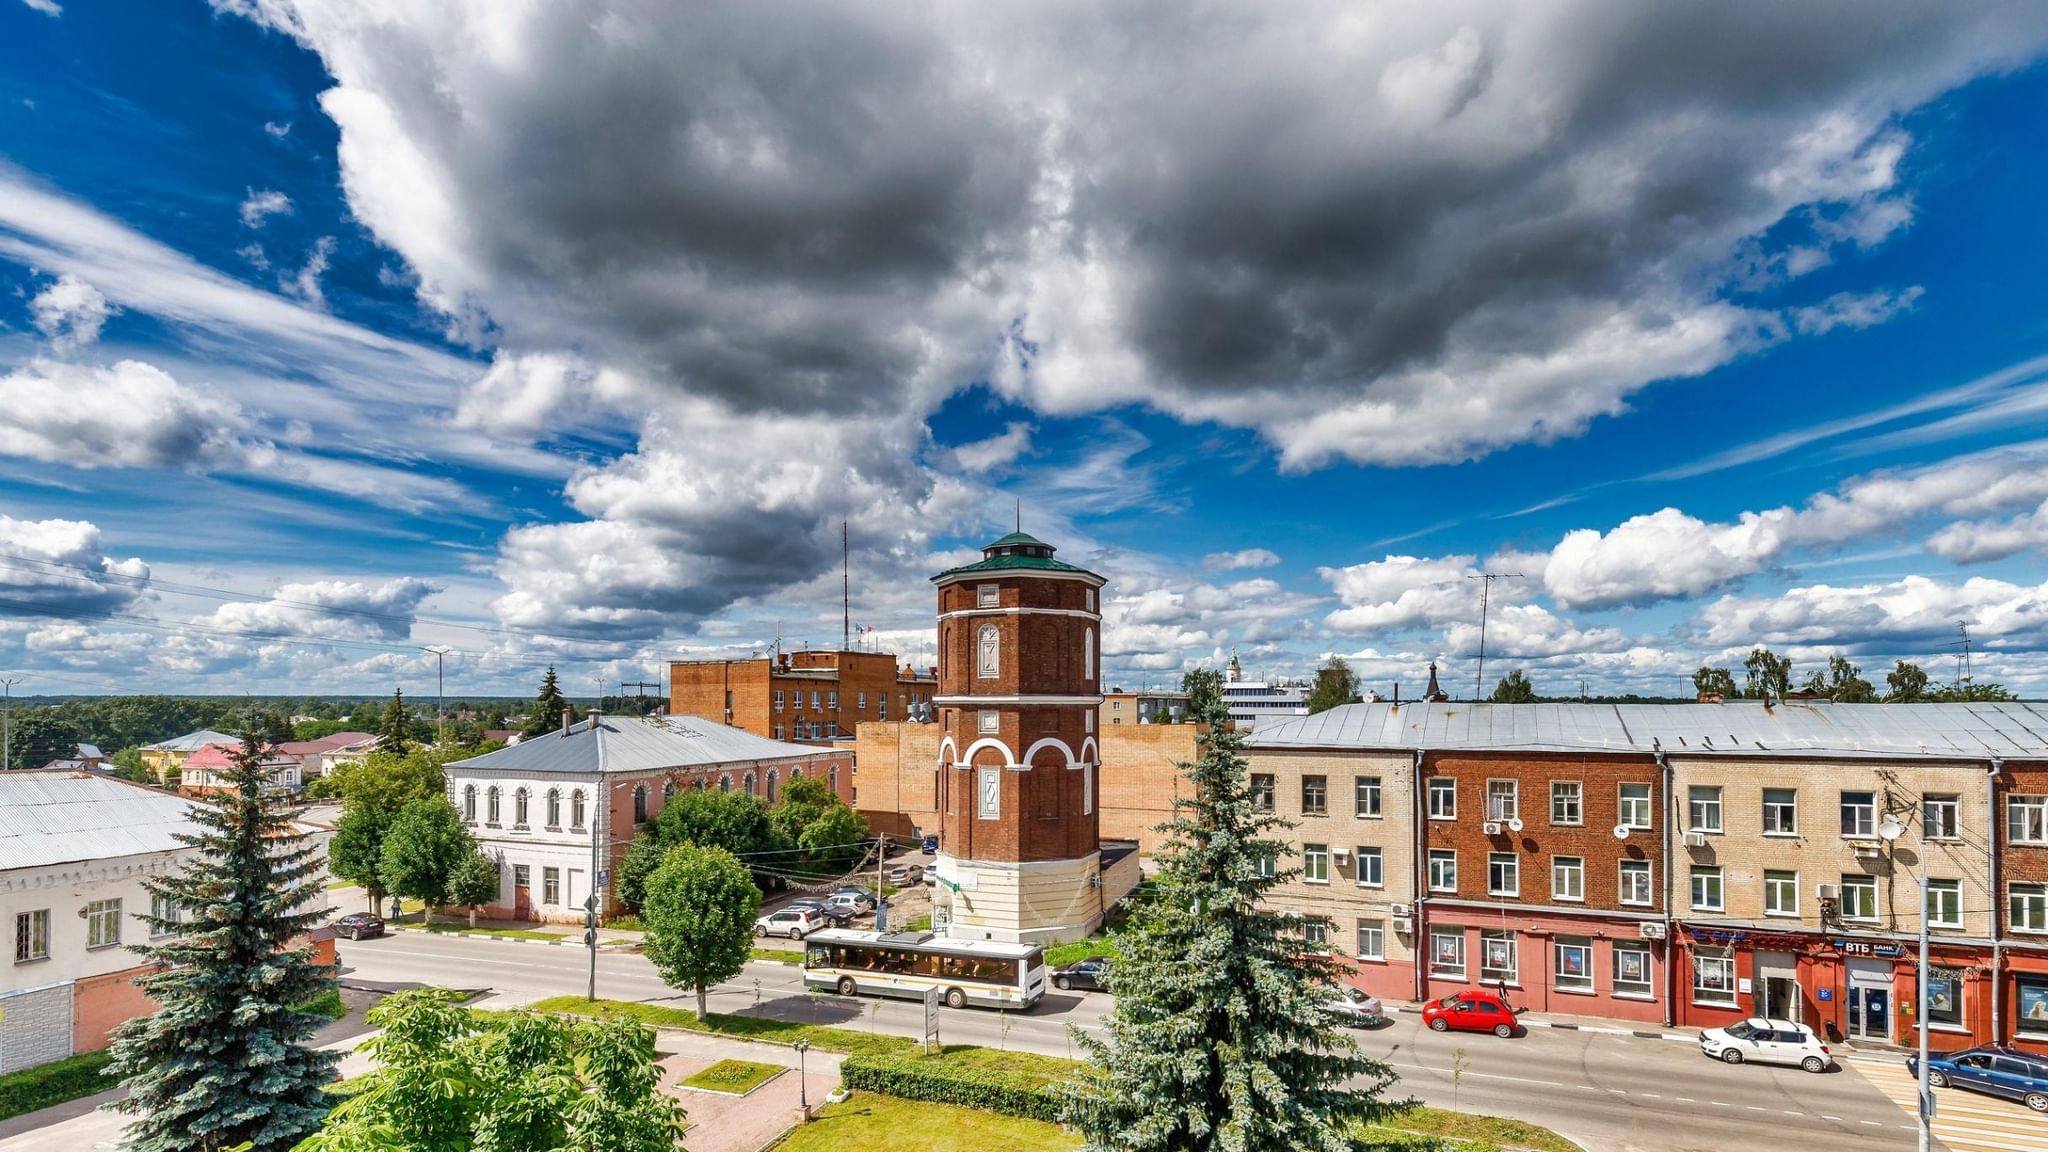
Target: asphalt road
column 1613, row 1093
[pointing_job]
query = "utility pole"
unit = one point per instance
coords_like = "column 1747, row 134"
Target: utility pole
column 440, row 651
column 1486, row 580
column 640, row 688
column 7, row 725
column 845, row 589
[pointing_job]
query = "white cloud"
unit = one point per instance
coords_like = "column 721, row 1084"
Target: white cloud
column 1978, row 541
column 46, row 7
column 344, row 609
column 59, row 567
column 1531, row 631
column 1402, row 592
column 522, row 395
column 997, row 451
column 69, row 313
column 1914, row 613
column 261, row 206
column 1854, row 310
column 305, row 283
column 276, row 130
column 127, row 415
column 1233, row 561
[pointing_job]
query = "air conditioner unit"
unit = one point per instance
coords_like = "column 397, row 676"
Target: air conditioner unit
column 1695, row 839
column 1828, row 891
column 1399, row 911
column 1404, row 925
column 1866, row 851
column 1491, row 828
column 1650, row 930
column 1342, row 854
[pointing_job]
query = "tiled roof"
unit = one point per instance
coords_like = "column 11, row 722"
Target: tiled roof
column 628, row 744
column 59, row 817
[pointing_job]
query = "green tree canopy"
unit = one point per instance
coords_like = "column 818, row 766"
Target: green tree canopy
column 1845, row 683
column 356, row 853
column 1769, row 674
column 224, row 1061
column 394, row 728
column 1905, row 684
column 422, row 850
column 699, row 913
column 1514, row 688
column 548, row 706
column 1336, row 685
column 1715, row 682
column 1204, row 687
column 475, row 883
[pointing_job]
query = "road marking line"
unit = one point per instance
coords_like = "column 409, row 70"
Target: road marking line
column 1831, row 1117
column 1587, row 1088
column 1684, row 1099
column 1649, row 1095
column 1618, row 1091
column 1790, row 1112
column 1720, row 1104
column 1754, row 1108
column 1873, row 1123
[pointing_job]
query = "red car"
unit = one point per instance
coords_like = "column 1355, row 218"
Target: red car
column 1473, row 1010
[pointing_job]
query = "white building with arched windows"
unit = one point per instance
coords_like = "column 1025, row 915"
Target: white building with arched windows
column 545, row 807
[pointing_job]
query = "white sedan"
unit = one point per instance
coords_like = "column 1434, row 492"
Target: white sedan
column 1759, row 1040
column 1356, row 1009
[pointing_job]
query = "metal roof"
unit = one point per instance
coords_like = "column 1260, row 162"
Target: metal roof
column 60, row 817
column 193, row 741
column 629, row 744
column 1794, row 728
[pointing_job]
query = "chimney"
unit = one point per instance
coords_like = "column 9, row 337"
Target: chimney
column 1710, row 697
column 568, row 719
column 595, row 716
column 1397, row 693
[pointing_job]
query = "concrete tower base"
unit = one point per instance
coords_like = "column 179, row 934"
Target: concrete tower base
column 1041, row 902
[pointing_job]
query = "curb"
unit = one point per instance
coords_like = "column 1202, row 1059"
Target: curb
column 558, row 942
column 1639, row 1033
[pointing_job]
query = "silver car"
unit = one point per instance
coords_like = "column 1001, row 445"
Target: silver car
column 1357, row 1009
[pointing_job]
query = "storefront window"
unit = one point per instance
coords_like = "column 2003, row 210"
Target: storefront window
column 1713, row 976
column 1631, row 970
column 1497, row 957
column 2033, row 1000
column 1945, row 998
column 1447, row 954
column 1574, row 964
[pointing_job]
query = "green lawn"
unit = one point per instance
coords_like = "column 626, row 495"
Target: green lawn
column 52, row 1083
column 738, row 1077
column 627, row 923
column 885, row 1124
column 746, row 1027
column 1061, row 955
column 778, row 955
column 326, row 1004
column 1486, row 1130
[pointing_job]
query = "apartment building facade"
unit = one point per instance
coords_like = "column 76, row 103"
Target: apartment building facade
column 801, row 696
column 2020, row 965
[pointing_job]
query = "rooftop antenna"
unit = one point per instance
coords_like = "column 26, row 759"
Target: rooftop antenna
column 1486, row 580
column 845, row 589
column 1963, row 654
column 1020, row 514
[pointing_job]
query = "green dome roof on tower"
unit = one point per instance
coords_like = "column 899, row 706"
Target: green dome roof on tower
column 1017, row 550
column 1016, row 538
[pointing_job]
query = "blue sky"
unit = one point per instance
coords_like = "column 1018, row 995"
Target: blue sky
column 331, row 331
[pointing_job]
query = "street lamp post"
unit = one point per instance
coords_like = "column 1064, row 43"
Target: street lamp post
column 440, row 712
column 803, row 1086
column 1890, row 830
column 7, row 725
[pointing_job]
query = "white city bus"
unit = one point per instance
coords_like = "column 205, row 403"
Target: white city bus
column 909, row 964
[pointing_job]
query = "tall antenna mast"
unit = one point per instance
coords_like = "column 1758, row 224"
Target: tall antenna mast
column 845, row 589
column 1486, row 580
column 1963, row 657
column 1020, row 513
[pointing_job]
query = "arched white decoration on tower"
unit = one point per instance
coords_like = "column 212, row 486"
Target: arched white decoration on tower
column 967, row 757
column 1031, row 753
column 948, row 751
column 989, row 652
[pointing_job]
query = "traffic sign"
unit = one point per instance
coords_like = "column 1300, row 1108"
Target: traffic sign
column 931, row 1020
column 604, row 878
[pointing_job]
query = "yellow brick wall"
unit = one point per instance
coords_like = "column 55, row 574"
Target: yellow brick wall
column 1342, row 901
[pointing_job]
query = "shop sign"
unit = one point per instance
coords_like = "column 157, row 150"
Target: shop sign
column 1868, row 948
column 1824, row 994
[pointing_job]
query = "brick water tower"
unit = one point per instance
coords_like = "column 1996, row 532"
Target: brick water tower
column 1019, row 689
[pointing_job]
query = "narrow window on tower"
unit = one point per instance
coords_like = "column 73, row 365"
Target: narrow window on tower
column 990, row 649
column 1087, row 654
column 989, row 794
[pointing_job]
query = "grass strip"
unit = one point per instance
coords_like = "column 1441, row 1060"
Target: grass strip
column 874, row 1123
column 741, row 1027
column 738, row 1077
column 39, row 1087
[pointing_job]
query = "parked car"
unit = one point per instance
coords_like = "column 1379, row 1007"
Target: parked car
column 1357, row 1009
column 1993, row 1069
column 795, row 923
column 849, row 904
column 358, row 925
column 1473, row 1010
column 837, row 915
column 1091, row 974
column 858, row 895
column 906, row 874
column 1767, row 1040
column 930, row 845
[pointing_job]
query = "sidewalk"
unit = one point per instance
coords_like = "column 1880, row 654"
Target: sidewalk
column 1597, row 1024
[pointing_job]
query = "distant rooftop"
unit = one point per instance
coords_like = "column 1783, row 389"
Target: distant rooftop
column 632, row 744
column 60, row 817
column 193, row 741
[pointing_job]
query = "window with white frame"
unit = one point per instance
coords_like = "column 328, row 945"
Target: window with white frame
column 1262, row 791
column 554, row 808
column 103, row 924
column 1635, row 882
column 1631, row 968
column 1568, row 878
column 1499, row 957
column 491, row 798
column 832, row 700
column 860, row 701
column 1443, row 798
column 1859, row 897
column 1859, row 813
column 1572, row 957
column 1503, row 801
column 778, row 699
column 1703, row 809
column 1365, row 796
column 1315, row 795
column 881, row 705
column 1503, row 874
column 1713, row 976
column 520, row 804
column 814, row 700
column 1372, row 939
column 469, row 804
column 163, row 914
column 1941, row 817
column 989, row 649
column 1567, row 804
column 1447, row 952
column 1635, row 805
column 988, row 595
column 1315, row 932
column 1443, row 870
column 1781, row 812
column 1370, row 871
column 1944, row 903
column 1781, row 892
column 777, row 731
column 1269, row 867
column 2026, row 819
column 1706, row 887
column 551, row 885
column 31, row 936
column 2029, row 907
column 1315, row 863
column 579, row 808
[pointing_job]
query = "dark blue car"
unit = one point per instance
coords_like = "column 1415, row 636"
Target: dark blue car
column 931, row 844
column 1993, row 1069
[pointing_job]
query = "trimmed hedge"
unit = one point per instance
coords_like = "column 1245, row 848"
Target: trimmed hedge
column 45, row 1084
column 957, row 1077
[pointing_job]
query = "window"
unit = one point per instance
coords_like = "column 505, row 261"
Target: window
column 1635, row 805
column 1859, row 813
column 990, row 660
column 576, row 809
column 1087, row 721
column 747, row 783
column 815, row 705
column 777, row 731
column 2026, row 819
column 469, row 804
column 1635, row 881
column 1365, row 796
column 1268, row 868
column 1945, row 998
column 1503, row 874
column 1262, row 792
column 725, row 782
column 1497, row 957
column 491, row 806
column 1372, row 939
column 988, row 595
column 1574, row 960
column 832, row 700
column 778, row 699
column 1315, row 795
column 1501, row 800
column 860, row 701
column 1703, row 809
column 1781, row 893
column 522, row 875
column 1370, row 874
column 1944, row 903
column 1713, row 976
column 32, row 936
column 1781, row 812
column 881, row 706
column 520, row 803
column 551, row 885
column 1565, row 807
column 640, row 803
column 1568, row 878
column 831, row 779
column 1706, row 888
column 1443, row 870
column 771, row 785
column 1088, row 655
column 2029, row 908
column 1631, row 969
column 989, row 793
column 163, row 911
column 1447, row 952
column 103, row 924
column 1940, row 817
column 1859, row 897
column 1443, row 798
column 2033, row 1001
column 1315, row 863
column 554, row 808
column 1315, row 932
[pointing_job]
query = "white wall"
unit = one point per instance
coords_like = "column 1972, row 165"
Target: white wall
column 64, row 890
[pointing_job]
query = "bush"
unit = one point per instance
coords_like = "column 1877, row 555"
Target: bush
column 1011, row 1083
column 53, row 1083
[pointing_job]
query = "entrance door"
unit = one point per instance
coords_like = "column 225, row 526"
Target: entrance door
column 1870, row 1001
column 1777, row 986
column 522, row 892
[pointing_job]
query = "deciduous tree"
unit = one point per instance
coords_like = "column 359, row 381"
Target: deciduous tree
column 1714, row 682
column 1336, row 685
column 1204, row 687
column 1906, row 684
column 475, row 883
column 1514, row 688
column 423, row 849
column 700, row 910
column 1769, row 674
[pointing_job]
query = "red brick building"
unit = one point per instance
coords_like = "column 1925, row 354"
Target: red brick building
column 801, row 696
column 2021, row 972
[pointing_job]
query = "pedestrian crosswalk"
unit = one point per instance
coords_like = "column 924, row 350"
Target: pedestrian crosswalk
column 1963, row 1121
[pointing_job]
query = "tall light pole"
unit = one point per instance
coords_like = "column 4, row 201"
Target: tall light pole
column 440, row 651
column 1486, row 580
column 7, row 725
column 1890, row 830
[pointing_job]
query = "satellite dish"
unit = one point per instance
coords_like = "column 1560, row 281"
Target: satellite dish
column 1515, row 825
column 1621, row 831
